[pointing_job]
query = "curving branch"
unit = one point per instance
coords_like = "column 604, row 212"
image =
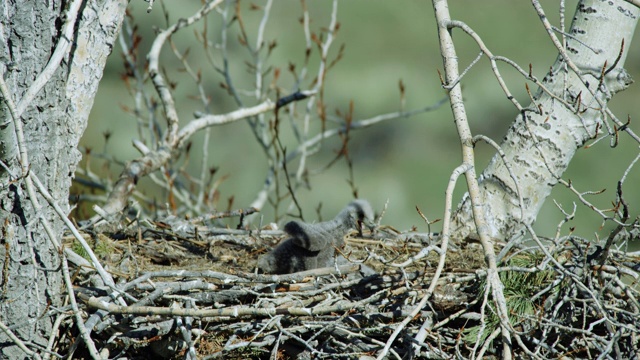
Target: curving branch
column 154, row 160
column 60, row 51
column 568, row 110
column 157, row 78
column 478, row 219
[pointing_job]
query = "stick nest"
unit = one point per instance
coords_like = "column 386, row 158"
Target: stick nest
column 192, row 292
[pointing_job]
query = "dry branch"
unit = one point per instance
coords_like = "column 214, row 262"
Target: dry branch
column 330, row 312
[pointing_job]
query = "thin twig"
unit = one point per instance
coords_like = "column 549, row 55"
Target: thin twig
column 66, row 36
column 446, row 233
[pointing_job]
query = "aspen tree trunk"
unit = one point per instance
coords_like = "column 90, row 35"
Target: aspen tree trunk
column 52, row 122
column 540, row 145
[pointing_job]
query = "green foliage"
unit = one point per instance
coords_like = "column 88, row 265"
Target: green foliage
column 101, row 248
column 247, row 352
column 520, row 287
column 78, row 249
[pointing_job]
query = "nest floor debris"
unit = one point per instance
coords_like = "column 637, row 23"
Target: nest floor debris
column 197, row 296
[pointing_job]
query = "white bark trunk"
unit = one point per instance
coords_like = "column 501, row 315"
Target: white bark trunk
column 53, row 123
column 539, row 148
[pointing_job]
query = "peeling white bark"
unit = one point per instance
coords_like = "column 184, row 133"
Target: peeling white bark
column 539, row 148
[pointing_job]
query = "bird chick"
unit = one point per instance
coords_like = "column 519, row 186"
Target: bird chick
column 312, row 246
column 287, row 258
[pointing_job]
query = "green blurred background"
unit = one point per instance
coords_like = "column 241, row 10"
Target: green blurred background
column 404, row 161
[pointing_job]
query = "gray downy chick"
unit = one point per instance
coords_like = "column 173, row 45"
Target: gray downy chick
column 287, row 258
column 312, row 246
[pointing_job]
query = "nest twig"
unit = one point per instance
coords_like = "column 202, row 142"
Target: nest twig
column 227, row 311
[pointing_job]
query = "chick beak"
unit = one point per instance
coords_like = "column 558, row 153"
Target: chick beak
column 368, row 223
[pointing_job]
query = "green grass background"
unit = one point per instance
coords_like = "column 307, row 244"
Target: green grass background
column 408, row 161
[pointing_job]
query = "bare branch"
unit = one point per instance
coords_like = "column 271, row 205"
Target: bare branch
column 158, row 79
column 66, row 36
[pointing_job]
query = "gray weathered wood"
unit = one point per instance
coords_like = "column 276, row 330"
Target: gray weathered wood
column 53, row 123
